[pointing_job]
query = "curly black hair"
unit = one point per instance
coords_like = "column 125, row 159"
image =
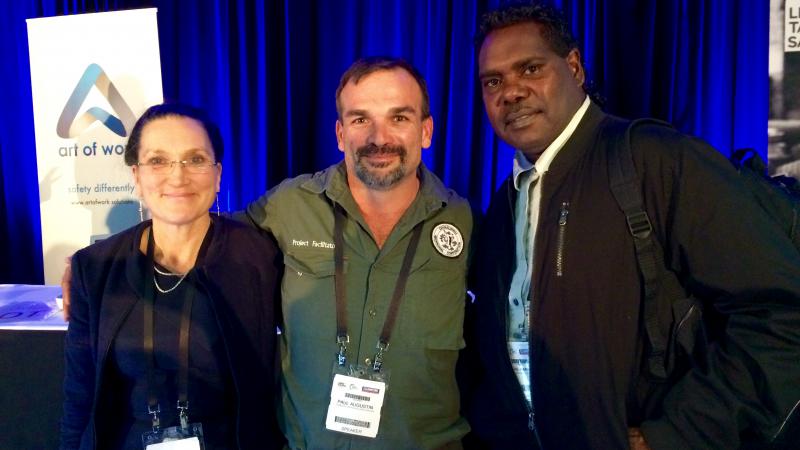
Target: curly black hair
column 554, row 27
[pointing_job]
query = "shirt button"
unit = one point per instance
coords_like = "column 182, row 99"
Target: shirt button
column 372, row 312
column 367, row 362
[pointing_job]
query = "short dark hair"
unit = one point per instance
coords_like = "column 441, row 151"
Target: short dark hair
column 365, row 66
column 554, row 27
column 173, row 110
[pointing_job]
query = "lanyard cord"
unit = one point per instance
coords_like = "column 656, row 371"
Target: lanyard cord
column 342, row 337
column 183, row 356
column 339, row 286
column 153, row 408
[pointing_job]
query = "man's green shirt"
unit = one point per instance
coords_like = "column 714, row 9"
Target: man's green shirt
column 421, row 407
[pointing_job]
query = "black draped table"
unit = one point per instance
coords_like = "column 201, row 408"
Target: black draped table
column 31, row 366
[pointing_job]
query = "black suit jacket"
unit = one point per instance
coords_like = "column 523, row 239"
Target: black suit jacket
column 586, row 340
column 239, row 273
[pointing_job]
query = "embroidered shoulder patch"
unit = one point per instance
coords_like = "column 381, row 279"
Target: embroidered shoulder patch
column 447, row 240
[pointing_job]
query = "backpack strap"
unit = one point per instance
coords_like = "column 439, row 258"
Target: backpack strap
column 624, row 183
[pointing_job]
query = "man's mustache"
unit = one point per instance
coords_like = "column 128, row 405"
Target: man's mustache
column 372, row 149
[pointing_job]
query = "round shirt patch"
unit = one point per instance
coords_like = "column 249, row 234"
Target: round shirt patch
column 447, row 240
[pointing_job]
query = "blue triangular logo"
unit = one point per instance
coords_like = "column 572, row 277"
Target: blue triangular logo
column 71, row 125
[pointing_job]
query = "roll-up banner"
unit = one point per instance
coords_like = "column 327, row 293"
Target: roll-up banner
column 92, row 75
column 783, row 128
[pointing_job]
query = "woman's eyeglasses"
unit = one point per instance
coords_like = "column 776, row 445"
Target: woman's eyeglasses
column 161, row 166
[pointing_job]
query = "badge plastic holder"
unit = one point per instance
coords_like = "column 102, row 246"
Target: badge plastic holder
column 174, row 437
column 363, row 372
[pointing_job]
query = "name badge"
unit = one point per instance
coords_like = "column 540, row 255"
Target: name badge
column 355, row 406
column 520, row 362
column 183, row 444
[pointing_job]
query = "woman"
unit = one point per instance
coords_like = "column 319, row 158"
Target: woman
column 187, row 285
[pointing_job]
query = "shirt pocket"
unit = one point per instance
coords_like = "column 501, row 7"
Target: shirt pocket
column 317, row 266
column 307, row 296
column 432, row 314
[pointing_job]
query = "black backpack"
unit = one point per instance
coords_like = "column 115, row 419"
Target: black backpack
column 779, row 196
column 667, row 350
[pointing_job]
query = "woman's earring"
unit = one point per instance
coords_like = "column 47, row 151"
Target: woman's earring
column 141, row 212
column 217, row 203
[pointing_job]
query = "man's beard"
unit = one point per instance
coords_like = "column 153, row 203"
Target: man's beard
column 374, row 179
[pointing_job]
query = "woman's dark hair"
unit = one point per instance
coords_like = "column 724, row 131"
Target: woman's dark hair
column 173, row 110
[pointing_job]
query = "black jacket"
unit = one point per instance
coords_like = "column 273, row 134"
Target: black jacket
column 586, row 338
column 239, row 273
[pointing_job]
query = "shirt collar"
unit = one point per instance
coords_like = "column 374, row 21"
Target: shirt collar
column 522, row 165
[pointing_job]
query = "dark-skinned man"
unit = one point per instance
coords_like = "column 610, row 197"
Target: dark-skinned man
column 556, row 338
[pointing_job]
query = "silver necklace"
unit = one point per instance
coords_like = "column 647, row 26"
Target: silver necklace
column 169, row 274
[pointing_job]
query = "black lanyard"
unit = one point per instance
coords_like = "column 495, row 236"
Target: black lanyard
column 153, row 408
column 342, row 338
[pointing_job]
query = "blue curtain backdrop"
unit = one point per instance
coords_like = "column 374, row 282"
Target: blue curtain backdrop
column 267, row 72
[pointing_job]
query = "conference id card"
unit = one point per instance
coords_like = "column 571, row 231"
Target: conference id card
column 355, row 406
column 520, row 362
column 175, row 438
